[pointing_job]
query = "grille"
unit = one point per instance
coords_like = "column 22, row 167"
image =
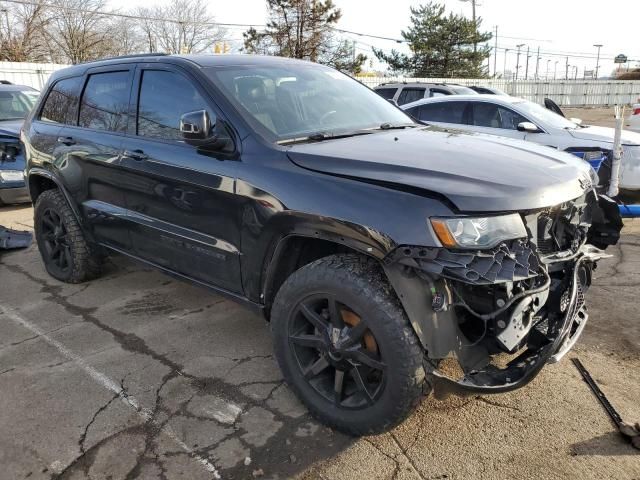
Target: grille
column 505, row 263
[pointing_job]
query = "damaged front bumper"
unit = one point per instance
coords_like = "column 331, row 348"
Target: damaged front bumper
column 543, row 313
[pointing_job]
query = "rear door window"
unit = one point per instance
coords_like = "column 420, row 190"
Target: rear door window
column 164, row 97
column 445, row 112
column 387, row 93
column 61, row 104
column 410, row 94
column 105, row 101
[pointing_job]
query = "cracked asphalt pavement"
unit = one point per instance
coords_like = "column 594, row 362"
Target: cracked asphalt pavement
column 137, row 375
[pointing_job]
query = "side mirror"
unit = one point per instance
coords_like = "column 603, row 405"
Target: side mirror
column 528, row 127
column 197, row 130
column 577, row 121
column 195, row 125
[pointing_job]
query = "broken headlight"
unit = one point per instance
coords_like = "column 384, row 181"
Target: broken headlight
column 478, row 232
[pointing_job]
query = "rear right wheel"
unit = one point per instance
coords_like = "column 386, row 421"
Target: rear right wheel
column 345, row 345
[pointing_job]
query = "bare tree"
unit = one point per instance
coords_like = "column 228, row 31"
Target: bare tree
column 22, row 32
column 78, row 29
column 180, row 26
column 125, row 37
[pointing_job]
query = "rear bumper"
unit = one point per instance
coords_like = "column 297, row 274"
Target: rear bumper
column 15, row 195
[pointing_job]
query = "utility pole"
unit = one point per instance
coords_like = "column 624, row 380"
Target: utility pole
column 537, row 63
column 575, row 72
column 504, row 68
column 526, row 70
column 473, row 16
column 495, row 55
column 546, row 75
column 598, row 46
column 555, row 69
column 518, row 59
column 566, row 73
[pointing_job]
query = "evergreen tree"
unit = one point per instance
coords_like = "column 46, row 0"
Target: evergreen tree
column 441, row 45
column 304, row 29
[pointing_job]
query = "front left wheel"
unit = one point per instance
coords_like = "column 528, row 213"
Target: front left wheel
column 345, row 345
column 65, row 251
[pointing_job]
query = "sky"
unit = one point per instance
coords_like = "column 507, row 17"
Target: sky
column 554, row 26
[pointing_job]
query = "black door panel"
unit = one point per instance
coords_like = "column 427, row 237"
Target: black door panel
column 183, row 208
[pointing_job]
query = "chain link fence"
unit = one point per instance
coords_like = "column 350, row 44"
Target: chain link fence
column 575, row 93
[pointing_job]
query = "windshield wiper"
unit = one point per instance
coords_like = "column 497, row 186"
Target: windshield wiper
column 322, row 136
column 400, row 126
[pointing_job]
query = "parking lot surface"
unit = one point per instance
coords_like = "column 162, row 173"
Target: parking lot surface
column 138, row 375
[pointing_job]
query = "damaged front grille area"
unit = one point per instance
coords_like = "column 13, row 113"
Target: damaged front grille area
column 509, row 262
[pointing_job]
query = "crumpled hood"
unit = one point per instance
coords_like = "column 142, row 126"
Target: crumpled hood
column 476, row 172
column 11, row 128
column 604, row 134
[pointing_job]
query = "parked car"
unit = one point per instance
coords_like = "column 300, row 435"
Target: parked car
column 16, row 101
column 633, row 122
column 520, row 119
column 402, row 93
column 376, row 247
column 487, row 90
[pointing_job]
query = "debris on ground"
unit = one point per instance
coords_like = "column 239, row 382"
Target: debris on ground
column 628, row 430
column 10, row 238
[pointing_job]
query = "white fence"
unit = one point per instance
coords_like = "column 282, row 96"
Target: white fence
column 32, row 74
column 590, row 93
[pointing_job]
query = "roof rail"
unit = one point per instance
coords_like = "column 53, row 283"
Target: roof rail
column 134, row 55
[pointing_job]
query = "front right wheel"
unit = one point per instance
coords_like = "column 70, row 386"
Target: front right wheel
column 345, row 345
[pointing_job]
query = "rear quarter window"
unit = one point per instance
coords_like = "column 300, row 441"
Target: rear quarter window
column 410, row 94
column 387, row 93
column 61, row 103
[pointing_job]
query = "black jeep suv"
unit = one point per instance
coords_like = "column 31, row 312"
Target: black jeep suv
column 390, row 258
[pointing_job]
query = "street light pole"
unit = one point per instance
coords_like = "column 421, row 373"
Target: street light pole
column 518, row 59
column 546, row 75
column 598, row 46
column 526, row 70
column 537, row 63
column 504, row 69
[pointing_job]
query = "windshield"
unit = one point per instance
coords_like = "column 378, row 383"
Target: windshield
column 16, row 104
column 293, row 101
column 539, row 113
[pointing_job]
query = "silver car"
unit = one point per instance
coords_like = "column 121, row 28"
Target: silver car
column 517, row 118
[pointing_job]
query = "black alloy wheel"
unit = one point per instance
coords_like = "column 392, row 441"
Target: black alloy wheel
column 345, row 346
column 54, row 239
column 66, row 253
column 336, row 352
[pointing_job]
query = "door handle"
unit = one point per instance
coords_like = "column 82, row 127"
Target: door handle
column 68, row 141
column 135, row 154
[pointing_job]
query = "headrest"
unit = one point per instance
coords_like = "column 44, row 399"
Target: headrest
column 251, row 89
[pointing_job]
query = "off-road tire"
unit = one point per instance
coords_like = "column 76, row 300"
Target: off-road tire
column 359, row 282
column 85, row 262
